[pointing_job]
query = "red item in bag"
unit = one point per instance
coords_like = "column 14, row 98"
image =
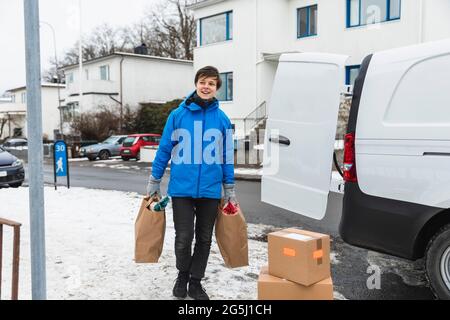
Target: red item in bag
column 230, row 208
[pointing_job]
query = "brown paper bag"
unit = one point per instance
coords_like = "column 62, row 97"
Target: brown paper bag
column 150, row 228
column 231, row 236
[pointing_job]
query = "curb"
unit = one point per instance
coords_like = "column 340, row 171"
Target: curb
column 248, row 177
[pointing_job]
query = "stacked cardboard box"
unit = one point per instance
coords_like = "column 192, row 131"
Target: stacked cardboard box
column 299, row 267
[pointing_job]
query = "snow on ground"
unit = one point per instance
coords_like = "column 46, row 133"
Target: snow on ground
column 78, row 159
column 90, row 248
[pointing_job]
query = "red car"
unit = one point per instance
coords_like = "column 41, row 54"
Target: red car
column 131, row 147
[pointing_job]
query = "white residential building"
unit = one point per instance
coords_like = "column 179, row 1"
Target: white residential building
column 122, row 79
column 244, row 38
column 15, row 111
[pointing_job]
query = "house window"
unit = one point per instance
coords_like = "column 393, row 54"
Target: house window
column 70, row 78
column 351, row 74
column 364, row 12
column 70, row 112
column 307, row 21
column 104, row 73
column 216, row 28
column 23, row 97
column 13, row 98
column 226, row 91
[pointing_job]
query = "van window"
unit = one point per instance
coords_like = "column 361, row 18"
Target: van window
column 422, row 95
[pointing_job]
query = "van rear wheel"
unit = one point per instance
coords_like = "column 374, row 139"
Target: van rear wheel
column 438, row 263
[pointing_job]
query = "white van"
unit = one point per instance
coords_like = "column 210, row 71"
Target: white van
column 396, row 157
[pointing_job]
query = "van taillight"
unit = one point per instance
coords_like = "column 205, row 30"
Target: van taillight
column 350, row 158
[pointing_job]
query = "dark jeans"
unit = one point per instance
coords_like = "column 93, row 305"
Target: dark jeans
column 205, row 213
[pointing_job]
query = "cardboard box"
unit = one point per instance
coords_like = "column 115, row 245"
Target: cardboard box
column 299, row 256
column 273, row 288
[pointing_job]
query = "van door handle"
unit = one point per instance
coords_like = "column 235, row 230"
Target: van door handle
column 280, row 140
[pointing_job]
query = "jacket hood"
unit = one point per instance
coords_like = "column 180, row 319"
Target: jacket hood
column 192, row 106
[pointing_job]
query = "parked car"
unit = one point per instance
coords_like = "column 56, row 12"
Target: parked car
column 131, row 148
column 15, row 143
column 104, row 150
column 396, row 156
column 11, row 170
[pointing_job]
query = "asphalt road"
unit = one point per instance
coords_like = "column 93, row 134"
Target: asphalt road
column 353, row 268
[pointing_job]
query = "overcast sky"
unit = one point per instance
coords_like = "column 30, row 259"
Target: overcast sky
column 63, row 15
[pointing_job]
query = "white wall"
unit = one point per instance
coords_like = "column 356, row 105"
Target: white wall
column 237, row 55
column 270, row 26
column 436, row 20
column 146, row 80
column 357, row 42
column 50, row 112
column 94, row 84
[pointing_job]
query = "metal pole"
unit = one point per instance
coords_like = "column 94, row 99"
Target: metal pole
column 54, row 166
column 68, row 170
column 80, row 54
column 35, row 154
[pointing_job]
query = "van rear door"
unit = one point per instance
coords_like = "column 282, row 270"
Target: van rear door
column 300, row 132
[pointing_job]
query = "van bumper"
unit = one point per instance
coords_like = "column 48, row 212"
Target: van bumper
column 380, row 224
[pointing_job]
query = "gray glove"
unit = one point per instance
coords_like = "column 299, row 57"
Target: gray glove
column 230, row 193
column 153, row 186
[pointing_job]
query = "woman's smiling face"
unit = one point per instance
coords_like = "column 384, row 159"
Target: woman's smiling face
column 207, row 87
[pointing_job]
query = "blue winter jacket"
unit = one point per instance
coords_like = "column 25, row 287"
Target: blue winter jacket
column 199, row 142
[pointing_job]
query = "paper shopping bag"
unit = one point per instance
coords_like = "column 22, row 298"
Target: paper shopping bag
column 150, row 228
column 231, row 236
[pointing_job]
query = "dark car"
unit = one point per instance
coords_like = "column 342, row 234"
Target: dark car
column 15, row 143
column 11, row 170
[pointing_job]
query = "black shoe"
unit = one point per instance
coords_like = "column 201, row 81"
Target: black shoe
column 196, row 291
column 180, row 288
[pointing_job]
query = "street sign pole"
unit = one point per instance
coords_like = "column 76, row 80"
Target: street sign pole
column 68, row 171
column 35, row 147
column 54, row 168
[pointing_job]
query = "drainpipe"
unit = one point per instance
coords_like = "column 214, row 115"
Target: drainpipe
column 121, row 94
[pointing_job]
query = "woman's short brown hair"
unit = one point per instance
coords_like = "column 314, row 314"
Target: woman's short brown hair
column 209, row 72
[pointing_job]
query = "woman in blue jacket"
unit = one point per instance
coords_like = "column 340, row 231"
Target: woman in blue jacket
column 198, row 140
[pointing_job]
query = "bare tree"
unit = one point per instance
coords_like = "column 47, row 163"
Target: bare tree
column 175, row 28
column 167, row 30
column 104, row 40
column 3, row 122
column 97, row 124
column 53, row 74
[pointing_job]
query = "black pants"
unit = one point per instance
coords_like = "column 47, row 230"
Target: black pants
column 205, row 213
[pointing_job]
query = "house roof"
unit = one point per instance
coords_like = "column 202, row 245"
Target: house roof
column 43, row 85
column 203, row 3
column 132, row 55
